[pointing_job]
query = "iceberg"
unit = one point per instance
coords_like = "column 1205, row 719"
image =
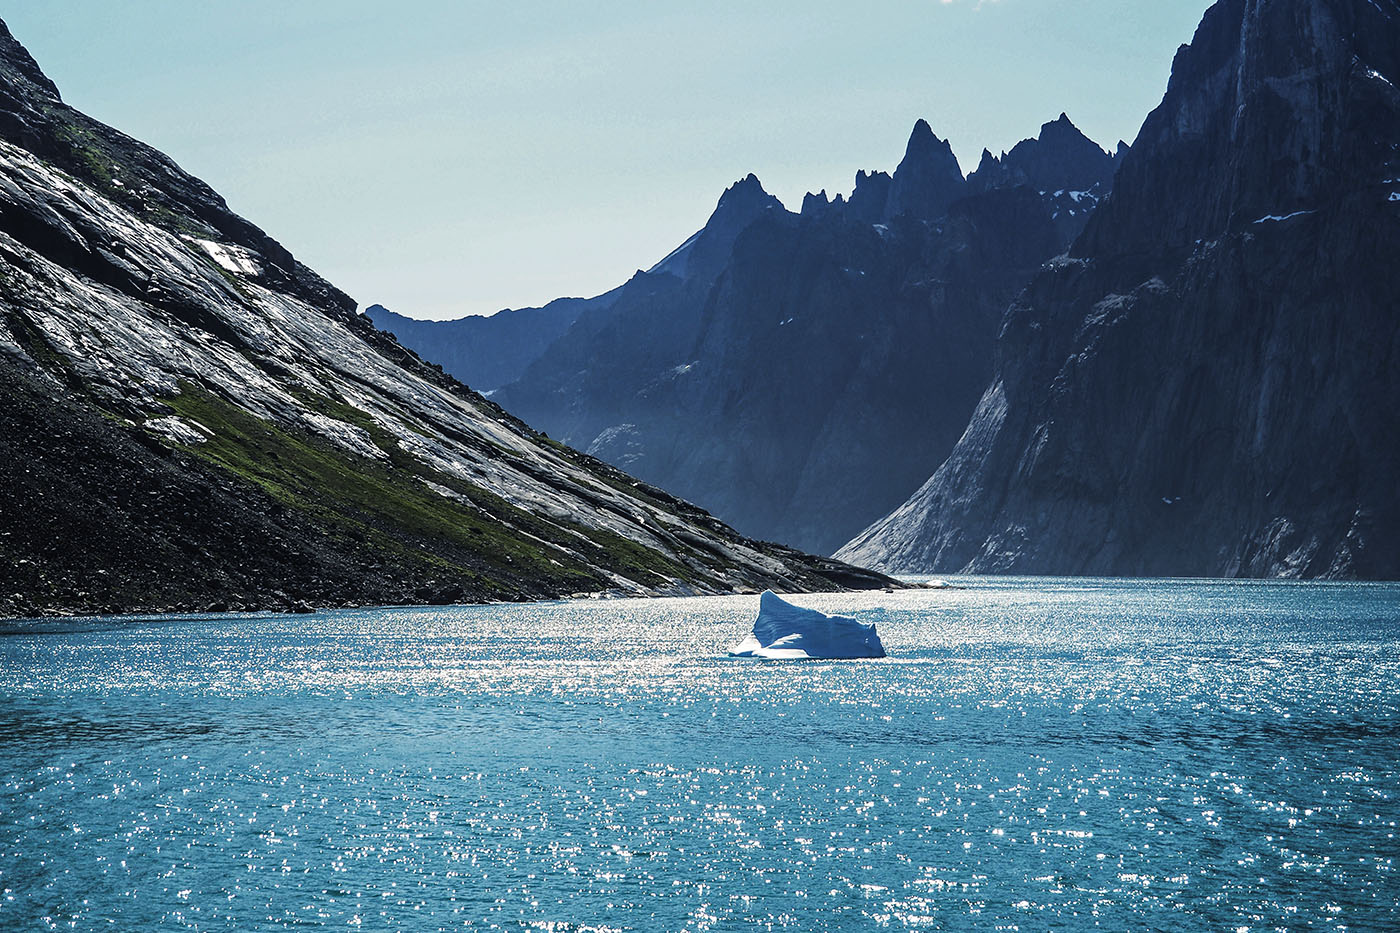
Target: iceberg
column 785, row 631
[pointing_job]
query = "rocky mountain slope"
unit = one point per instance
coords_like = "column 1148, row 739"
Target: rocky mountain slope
column 796, row 373
column 190, row 418
column 1210, row 383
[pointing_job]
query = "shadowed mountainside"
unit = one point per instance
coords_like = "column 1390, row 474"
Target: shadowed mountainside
column 1208, row 384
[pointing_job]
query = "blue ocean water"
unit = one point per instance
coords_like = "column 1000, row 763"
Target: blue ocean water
column 1034, row 754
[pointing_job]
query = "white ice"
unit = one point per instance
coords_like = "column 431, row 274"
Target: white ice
column 785, row 631
column 230, row 257
column 1274, row 218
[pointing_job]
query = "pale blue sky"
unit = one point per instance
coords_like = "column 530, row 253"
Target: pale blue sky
column 446, row 158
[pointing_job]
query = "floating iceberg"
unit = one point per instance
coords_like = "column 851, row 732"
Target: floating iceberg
column 783, row 630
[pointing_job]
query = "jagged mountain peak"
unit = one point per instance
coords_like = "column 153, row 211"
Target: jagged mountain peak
column 870, row 196
column 1062, row 128
column 815, row 204
column 1060, row 158
column 928, row 178
column 746, row 196
column 924, row 143
column 926, row 146
column 701, row 256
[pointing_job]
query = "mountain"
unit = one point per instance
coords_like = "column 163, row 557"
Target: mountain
column 192, row 419
column 1207, row 384
column 485, row 352
column 488, row 352
column 928, row 178
column 704, row 256
column 801, row 386
column 1061, row 157
column 1063, row 165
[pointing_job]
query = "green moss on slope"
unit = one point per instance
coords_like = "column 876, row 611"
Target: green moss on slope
column 482, row 541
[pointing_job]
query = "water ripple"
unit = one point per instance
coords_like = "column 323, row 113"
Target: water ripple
column 1035, row 754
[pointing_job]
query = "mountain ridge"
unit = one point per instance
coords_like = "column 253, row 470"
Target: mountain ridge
column 494, row 348
column 768, row 392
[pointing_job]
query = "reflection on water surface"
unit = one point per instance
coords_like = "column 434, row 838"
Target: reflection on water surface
column 1174, row 755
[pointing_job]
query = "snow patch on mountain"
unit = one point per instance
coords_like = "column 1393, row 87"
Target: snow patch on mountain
column 231, row 258
column 1276, row 218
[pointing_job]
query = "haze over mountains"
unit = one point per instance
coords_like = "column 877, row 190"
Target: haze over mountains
column 1197, row 377
column 192, row 419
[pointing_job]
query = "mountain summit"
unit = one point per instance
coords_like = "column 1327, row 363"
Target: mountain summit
column 928, row 178
column 701, row 257
column 1061, row 157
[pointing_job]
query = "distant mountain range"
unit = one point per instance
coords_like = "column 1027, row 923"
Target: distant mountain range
column 1175, row 359
column 494, row 350
column 192, row 419
column 798, row 372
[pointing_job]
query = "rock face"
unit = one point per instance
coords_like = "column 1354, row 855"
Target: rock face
column 191, row 419
column 1207, row 384
column 783, row 631
column 802, row 384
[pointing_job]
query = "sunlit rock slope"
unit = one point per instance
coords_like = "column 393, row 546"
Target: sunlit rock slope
column 190, row 418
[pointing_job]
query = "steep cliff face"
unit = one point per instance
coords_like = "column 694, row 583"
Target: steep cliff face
column 803, row 386
column 1208, row 384
column 190, row 418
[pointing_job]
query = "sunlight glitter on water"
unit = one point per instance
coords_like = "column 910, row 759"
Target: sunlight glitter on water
column 1067, row 754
